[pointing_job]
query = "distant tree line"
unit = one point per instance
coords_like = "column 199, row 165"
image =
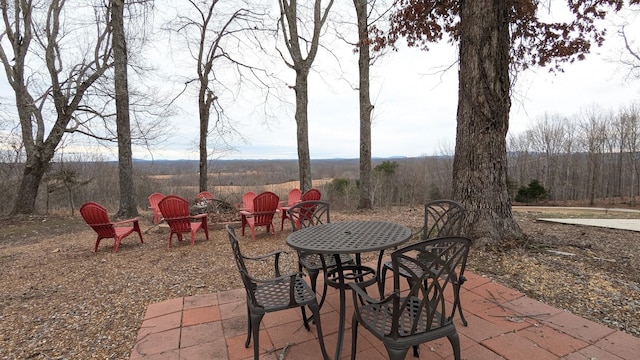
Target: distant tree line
column 589, row 156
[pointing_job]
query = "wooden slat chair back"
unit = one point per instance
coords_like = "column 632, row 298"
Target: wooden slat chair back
column 175, row 211
column 154, row 199
column 95, row 215
column 311, row 194
column 265, row 206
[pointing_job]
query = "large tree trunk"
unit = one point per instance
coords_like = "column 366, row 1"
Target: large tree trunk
column 289, row 27
column 204, row 104
column 30, row 183
column 302, row 128
column 128, row 205
column 365, row 105
column 38, row 153
column 480, row 164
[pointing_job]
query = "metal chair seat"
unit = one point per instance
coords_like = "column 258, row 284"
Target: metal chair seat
column 378, row 318
column 274, row 295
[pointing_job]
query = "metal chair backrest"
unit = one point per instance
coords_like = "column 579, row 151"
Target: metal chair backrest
column 433, row 266
column 239, row 259
column 309, row 213
column 442, row 218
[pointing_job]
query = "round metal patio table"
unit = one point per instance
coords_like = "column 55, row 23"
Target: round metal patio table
column 348, row 237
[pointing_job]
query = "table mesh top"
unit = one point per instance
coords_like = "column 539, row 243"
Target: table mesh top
column 349, row 237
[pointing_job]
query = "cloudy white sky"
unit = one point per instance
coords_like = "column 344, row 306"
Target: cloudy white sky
column 415, row 104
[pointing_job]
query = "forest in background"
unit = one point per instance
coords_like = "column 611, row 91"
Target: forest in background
column 69, row 184
column 604, row 175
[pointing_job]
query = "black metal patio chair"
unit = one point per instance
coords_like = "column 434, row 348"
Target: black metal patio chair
column 421, row 314
column 274, row 294
column 441, row 218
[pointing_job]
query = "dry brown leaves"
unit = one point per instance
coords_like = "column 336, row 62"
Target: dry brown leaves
column 59, row 300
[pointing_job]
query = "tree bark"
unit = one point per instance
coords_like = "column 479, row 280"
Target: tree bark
column 480, row 163
column 66, row 94
column 301, row 65
column 128, row 205
column 366, row 108
column 204, row 106
column 302, row 128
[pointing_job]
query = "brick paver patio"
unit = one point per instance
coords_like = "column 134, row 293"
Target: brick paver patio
column 503, row 324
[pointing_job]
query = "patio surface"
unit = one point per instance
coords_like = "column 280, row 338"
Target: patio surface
column 503, row 324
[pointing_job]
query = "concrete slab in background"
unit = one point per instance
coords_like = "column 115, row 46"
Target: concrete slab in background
column 624, row 224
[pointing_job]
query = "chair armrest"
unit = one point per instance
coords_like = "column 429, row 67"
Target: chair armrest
column 287, row 277
column 358, row 292
column 276, row 254
column 199, row 216
column 245, row 212
column 121, row 222
column 261, row 257
column 179, row 218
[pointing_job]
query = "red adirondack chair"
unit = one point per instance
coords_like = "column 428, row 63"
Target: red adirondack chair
column 205, row 195
column 292, row 199
column 95, row 215
column 265, row 206
column 247, row 205
column 175, row 211
column 247, row 200
column 311, row 194
column 154, row 199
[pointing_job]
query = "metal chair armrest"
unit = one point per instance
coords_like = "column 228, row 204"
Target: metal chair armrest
column 275, row 254
column 358, row 292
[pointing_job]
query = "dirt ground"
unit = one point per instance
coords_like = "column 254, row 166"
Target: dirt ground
column 60, row 300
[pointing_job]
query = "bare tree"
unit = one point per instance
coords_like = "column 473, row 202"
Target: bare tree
column 546, row 138
column 222, row 30
column 569, row 150
column 128, row 206
column 494, row 37
column 364, row 60
column 630, row 55
column 592, row 140
column 300, row 61
column 630, row 118
column 35, row 38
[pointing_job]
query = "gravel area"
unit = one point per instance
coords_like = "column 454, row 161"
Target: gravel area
column 59, row 300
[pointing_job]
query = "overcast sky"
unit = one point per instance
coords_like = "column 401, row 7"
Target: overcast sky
column 415, row 104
